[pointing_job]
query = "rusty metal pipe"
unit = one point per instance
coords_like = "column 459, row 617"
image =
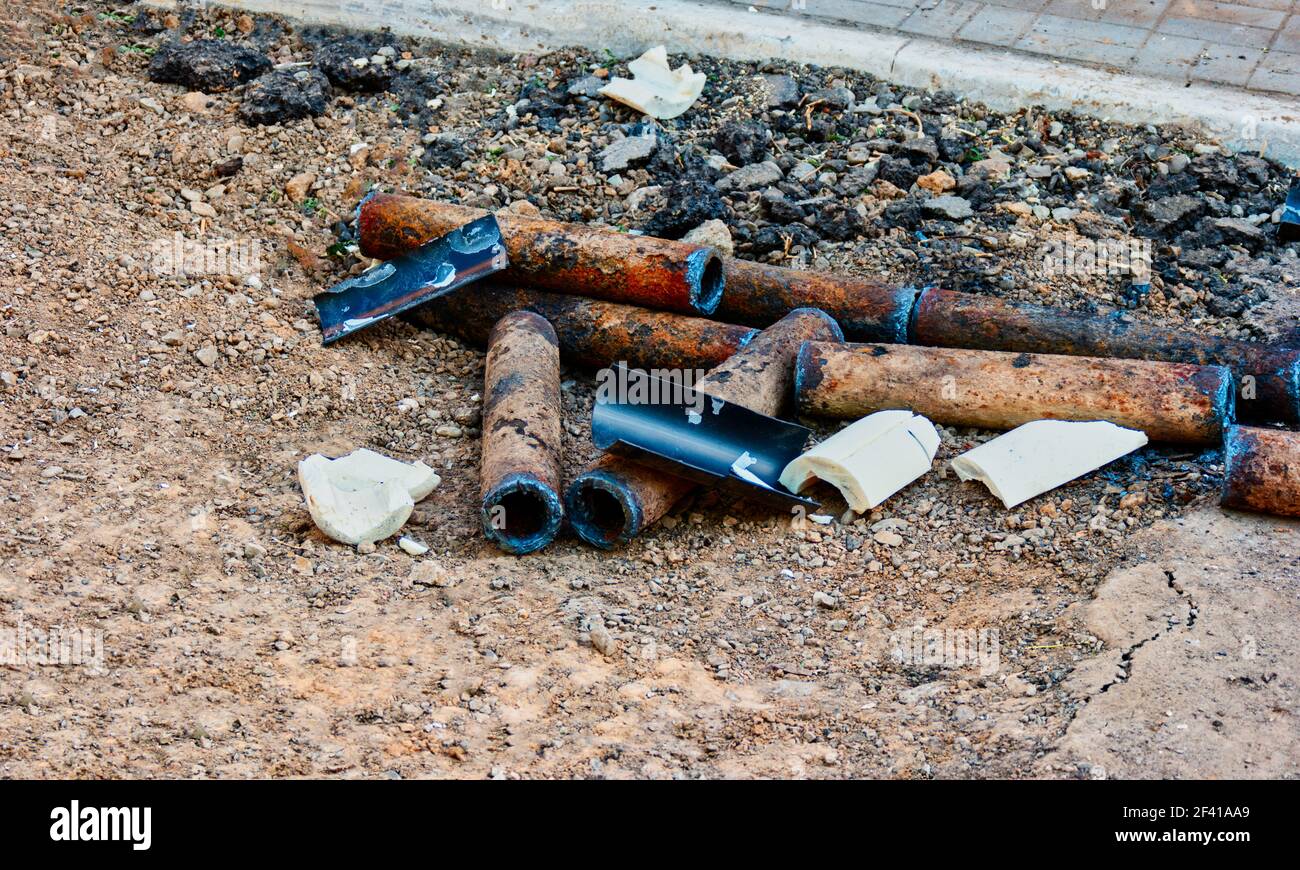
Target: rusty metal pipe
column 597, row 262
column 997, row 390
column 1261, row 470
column 944, row 318
column 590, row 332
column 520, row 471
column 759, row 294
column 615, row 498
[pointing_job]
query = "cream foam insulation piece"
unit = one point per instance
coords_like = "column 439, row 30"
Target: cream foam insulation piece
column 1042, row 455
column 418, row 478
column 655, row 89
column 362, row 497
column 870, row 460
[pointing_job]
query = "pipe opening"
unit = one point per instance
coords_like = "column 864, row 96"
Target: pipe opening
column 521, row 516
column 601, row 514
column 525, row 514
column 704, row 272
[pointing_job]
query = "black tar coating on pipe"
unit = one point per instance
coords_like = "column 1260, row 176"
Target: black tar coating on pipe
column 522, row 495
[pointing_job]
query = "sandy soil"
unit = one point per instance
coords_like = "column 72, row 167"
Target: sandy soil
column 150, row 494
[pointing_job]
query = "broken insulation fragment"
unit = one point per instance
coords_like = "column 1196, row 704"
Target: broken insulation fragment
column 656, row 89
column 870, row 460
column 1042, row 455
column 362, row 497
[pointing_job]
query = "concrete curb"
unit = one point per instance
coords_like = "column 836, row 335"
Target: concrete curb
column 1240, row 120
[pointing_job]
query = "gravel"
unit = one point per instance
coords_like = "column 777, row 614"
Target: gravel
column 179, row 403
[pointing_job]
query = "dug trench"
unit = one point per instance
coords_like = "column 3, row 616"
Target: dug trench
column 152, row 421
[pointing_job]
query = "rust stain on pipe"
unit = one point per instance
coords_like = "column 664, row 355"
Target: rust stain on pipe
column 998, row 390
column 597, row 262
column 1261, row 471
column 759, row 295
column 944, row 318
column 615, row 498
column 590, row 332
column 520, row 472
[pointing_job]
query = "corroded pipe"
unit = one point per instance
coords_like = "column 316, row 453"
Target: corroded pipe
column 591, row 332
column 756, row 294
column 759, row 294
column 1261, row 470
column 520, row 471
column 944, row 318
column 995, row 390
column 596, row 262
column 615, row 498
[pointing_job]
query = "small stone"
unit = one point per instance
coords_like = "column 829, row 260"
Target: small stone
column 951, row 207
column 1238, row 231
column 889, row 539
column 782, row 91
column 750, row 177
column 299, row 186
column 1017, row 686
column 715, row 233
column 741, row 142
column 992, row 168
column 207, row 355
column 196, row 102
column 603, row 641
column 587, row 86
column 203, row 209
column 429, row 573
column 622, row 153
column 1132, row 500
column 1173, row 212
column 412, row 546
column 937, row 182
column 920, row 148
column 821, row 599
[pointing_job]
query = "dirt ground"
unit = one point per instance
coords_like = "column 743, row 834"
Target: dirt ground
column 151, row 425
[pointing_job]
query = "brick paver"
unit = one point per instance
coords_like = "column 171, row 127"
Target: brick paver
column 1253, row 44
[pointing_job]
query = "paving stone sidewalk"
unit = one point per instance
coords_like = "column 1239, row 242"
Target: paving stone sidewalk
column 1251, row 44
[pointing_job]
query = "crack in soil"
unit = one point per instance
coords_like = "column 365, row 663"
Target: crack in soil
column 1193, row 608
column 1126, row 658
